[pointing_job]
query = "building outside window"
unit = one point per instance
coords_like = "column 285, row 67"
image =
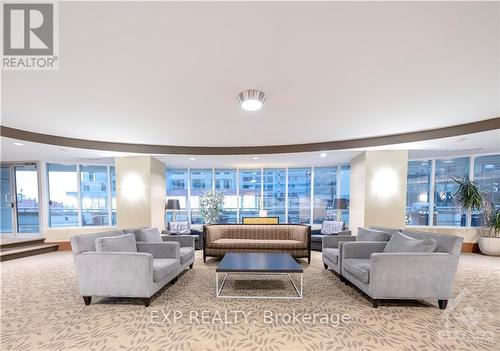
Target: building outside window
column 177, row 189
column 226, row 181
column 448, row 213
column 299, row 195
column 274, row 195
column 487, row 176
column 112, row 174
column 63, row 195
column 201, row 180
column 325, row 194
column 345, row 191
column 250, row 192
column 94, row 195
column 417, row 195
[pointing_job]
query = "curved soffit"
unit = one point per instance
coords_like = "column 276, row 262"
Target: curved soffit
column 468, row 128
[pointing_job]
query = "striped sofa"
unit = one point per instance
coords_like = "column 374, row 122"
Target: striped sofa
column 295, row 239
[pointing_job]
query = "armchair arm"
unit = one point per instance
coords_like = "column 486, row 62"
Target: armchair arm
column 361, row 249
column 183, row 240
column 413, row 275
column 332, row 241
column 119, row 274
column 160, row 250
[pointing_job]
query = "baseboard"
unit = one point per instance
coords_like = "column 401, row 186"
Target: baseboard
column 470, row 247
column 63, row 245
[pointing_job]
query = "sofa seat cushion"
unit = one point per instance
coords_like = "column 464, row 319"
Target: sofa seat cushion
column 256, row 244
column 359, row 268
column 186, row 254
column 162, row 267
column 331, row 254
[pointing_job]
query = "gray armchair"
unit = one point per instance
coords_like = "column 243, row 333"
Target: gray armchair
column 332, row 250
column 403, row 275
column 131, row 274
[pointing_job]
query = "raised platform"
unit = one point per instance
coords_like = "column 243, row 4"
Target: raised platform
column 12, row 248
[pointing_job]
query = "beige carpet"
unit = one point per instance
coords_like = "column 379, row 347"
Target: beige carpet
column 41, row 310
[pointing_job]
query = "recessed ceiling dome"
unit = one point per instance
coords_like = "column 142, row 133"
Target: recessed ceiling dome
column 251, row 100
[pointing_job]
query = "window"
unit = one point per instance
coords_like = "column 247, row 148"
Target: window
column 274, row 200
column 201, row 180
column 299, row 195
column 325, row 194
column 250, row 191
column 225, row 181
column 63, row 195
column 417, row 195
column 113, row 194
column 448, row 213
column 345, row 192
column 94, row 195
column 177, row 188
column 487, row 176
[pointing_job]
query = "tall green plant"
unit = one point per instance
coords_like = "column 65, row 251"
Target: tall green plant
column 468, row 194
column 211, row 205
column 493, row 222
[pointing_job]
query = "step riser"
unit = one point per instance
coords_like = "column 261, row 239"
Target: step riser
column 8, row 257
column 22, row 243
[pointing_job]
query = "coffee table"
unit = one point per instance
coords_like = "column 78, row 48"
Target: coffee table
column 258, row 264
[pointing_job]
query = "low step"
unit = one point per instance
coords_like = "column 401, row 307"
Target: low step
column 26, row 250
column 11, row 243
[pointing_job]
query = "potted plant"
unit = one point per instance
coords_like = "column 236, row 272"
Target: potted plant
column 489, row 241
column 470, row 197
column 211, row 205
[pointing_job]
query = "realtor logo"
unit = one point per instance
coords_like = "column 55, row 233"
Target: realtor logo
column 29, row 36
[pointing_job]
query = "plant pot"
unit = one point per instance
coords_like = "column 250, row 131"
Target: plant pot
column 489, row 246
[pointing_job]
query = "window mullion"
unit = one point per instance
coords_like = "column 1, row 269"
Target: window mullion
column 110, row 210
column 432, row 187
column 311, row 194
column 286, row 195
column 79, row 194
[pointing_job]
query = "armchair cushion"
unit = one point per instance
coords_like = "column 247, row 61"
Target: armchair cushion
column 179, row 227
column 402, row 243
column 330, row 227
column 120, row 243
column 360, row 268
column 186, row 254
column 365, row 234
column 151, row 235
column 162, row 267
column 331, row 254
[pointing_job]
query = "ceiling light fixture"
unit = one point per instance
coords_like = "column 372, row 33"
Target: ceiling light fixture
column 18, row 144
column 255, row 158
column 322, row 155
column 251, row 100
column 192, row 158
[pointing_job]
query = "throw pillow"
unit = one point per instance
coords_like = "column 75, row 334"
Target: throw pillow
column 402, row 243
column 365, row 234
column 179, row 227
column 151, row 235
column 331, row 227
column 120, row 243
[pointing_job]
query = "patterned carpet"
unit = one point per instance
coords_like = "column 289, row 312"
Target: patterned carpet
column 41, row 310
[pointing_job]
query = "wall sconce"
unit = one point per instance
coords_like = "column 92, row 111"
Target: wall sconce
column 385, row 183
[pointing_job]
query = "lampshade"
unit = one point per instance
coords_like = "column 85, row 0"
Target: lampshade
column 341, row 204
column 172, row 204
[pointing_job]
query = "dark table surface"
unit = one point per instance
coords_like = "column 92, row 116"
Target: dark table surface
column 259, row 262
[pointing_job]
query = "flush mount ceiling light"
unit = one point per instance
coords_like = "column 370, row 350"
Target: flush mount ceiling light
column 255, row 158
column 322, row 155
column 18, row 144
column 251, row 100
column 192, row 159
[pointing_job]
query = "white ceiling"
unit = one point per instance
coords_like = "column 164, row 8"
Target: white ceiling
column 479, row 143
column 169, row 73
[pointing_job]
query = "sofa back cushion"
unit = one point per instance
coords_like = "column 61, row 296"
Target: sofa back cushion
column 258, row 232
column 120, row 243
column 331, row 227
column 448, row 243
column 402, row 243
column 151, row 235
column 86, row 242
column 365, row 234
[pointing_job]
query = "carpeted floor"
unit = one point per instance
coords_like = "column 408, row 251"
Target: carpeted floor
column 41, row 309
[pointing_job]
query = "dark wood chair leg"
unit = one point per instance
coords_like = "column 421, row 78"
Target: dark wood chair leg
column 191, row 265
column 375, row 303
column 326, row 266
column 87, row 300
column 147, row 302
column 442, row 304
